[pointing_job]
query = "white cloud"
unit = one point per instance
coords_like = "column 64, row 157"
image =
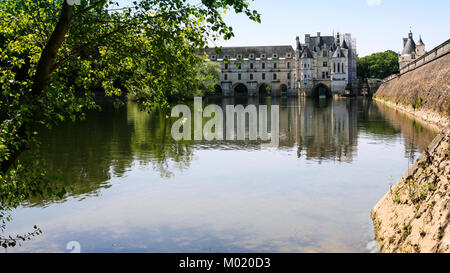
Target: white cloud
column 373, row 2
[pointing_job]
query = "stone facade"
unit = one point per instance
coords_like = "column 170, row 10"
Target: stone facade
column 256, row 71
column 411, row 50
column 323, row 65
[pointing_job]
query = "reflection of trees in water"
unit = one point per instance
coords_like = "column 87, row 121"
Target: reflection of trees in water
column 417, row 135
column 151, row 142
column 84, row 156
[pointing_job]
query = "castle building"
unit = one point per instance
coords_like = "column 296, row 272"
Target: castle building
column 411, row 50
column 256, row 71
column 321, row 66
column 325, row 65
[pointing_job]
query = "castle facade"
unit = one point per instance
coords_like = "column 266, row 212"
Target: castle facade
column 321, row 66
column 411, row 50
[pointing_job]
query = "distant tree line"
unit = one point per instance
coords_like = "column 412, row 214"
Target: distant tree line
column 378, row 65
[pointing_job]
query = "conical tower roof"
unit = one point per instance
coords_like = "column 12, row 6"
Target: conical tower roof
column 410, row 46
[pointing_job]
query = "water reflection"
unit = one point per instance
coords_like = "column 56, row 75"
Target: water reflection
column 313, row 193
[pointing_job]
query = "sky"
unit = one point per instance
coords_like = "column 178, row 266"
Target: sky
column 377, row 25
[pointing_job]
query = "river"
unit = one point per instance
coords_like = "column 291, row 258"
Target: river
column 132, row 188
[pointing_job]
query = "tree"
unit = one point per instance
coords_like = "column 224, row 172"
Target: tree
column 55, row 56
column 378, row 65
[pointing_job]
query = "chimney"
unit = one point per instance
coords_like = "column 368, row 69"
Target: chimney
column 297, row 39
column 404, row 41
column 318, row 34
column 307, row 39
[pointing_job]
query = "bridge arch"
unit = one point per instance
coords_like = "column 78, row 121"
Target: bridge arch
column 284, row 90
column 321, row 90
column 240, row 89
column 264, row 89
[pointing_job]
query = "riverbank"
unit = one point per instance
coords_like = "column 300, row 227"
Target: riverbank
column 414, row 215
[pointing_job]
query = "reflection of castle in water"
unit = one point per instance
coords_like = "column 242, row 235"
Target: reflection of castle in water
column 321, row 129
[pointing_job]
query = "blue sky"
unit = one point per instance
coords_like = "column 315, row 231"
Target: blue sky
column 377, row 25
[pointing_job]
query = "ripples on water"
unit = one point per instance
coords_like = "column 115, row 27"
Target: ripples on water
column 134, row 189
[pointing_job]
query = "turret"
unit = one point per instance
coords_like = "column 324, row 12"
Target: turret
column 420, row 47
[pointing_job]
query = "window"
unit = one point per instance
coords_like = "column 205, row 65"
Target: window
column 225, row 77
column 334, row 67
column 251, row 77
column 251, row 65
column 342, row 67
column 263, row 56
column 323, row 75
column 328, row 75
column 288, row 65
column 325, row 53
column 252, row 56
column 289, row 55
column 238, row 65
column 339, row 68
column 274, row 65
column 239, row 77
column 325, row 64
column 289, row 75
column 274, row 56
column 226, row 66
column 274, row 76
column 263, row 65
column 263, row 76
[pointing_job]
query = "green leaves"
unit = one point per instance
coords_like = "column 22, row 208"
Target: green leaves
column 378, row 65
column 149, row 50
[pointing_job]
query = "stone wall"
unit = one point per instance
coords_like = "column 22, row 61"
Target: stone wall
column 413, row 216
column 423, row 92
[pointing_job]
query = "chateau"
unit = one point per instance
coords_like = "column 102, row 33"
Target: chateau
column 411, row 50
column 321, row 66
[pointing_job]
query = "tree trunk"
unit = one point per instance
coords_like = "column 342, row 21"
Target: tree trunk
column 41, row 80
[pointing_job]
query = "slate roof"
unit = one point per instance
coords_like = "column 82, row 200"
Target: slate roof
column 306, row 53
column 338, row 53
column 317, row 43
column 245, row 51
column 410, row 46
column 420, row 41
column 344, row 45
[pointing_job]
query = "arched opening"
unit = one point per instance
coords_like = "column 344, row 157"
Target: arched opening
column 264, row 90
column 217, row 89
column 321, row 90
column 240, row 90
column 284, row 90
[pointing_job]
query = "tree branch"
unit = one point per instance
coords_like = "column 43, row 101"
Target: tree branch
column 76, row 52
column 83, row 11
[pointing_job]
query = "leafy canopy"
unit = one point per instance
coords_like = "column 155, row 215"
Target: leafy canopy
column 378, row 65
column 55, row 57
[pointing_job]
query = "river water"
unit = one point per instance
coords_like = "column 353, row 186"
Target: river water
column 132, row 188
